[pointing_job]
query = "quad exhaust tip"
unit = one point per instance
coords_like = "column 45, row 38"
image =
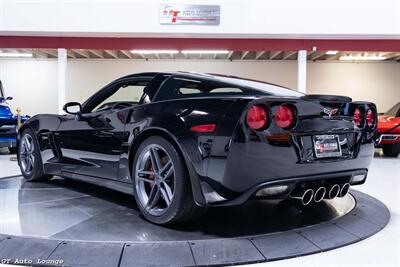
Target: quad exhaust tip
column 344, row 190
column 331, row 192
column 334, row 191
column 305, row 198
column 319, row 194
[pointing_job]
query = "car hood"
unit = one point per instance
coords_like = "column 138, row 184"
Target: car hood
column 386, row 123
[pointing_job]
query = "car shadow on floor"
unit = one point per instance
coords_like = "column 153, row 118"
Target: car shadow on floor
column 252, row 218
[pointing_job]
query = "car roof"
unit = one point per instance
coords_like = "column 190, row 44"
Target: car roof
column 223, row 78
column 201, row 76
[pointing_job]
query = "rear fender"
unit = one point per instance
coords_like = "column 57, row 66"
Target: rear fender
column 155, row 131
column 173, row 121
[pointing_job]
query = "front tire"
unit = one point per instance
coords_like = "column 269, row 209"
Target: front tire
column 29, row 158
column 392, row 150
column 161, row 183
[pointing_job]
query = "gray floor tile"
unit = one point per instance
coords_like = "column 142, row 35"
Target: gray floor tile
column 88, row 254
column 29, row 250
column 225, row 251
column 284, row 245
column 357, row 226
column 157, row 254
column 327, row 236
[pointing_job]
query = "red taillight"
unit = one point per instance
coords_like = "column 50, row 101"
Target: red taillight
column 370, row 118
column 204, row 128
column 358, row 117
column 284, row 116
column 256, row 117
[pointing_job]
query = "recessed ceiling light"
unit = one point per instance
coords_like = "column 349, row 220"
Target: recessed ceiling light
column 154, row 51
column 16, row 55
column 331, row 52
column 205, row 51
column 359, row 58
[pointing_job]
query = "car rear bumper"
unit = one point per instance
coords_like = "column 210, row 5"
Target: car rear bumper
column 292, row 183
column 8, row 136
column 8, row 142
column 387, row 139
column 252, row 165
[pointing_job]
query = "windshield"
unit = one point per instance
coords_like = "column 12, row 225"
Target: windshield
column 394, row 111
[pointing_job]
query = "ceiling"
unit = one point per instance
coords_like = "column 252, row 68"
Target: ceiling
column 231, row 55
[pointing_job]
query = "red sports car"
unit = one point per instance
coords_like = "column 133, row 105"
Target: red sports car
column 388, row 132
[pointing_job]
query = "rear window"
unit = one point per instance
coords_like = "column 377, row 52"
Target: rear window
column 261, row 87
column 178, row 87
column 199, row 88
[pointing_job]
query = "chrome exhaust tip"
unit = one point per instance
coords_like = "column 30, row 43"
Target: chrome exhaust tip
column 319, row 194
column 334, row 191
column 344, row 190
column 305, row 198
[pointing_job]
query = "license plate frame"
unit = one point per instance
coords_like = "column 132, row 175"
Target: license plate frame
column 330, row 146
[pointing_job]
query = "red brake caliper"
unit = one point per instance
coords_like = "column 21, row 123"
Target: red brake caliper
column 152, row 177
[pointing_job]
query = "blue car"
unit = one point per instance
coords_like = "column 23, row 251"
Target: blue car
column 8, row 123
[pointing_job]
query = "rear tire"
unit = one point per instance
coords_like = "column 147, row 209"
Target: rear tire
column 161, row 183
column 13, row 150
column 29, row 158
column 391, row 150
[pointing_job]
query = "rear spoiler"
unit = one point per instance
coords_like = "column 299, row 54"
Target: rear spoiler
column 328, row 98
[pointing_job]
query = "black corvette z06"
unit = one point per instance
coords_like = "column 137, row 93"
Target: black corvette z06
column 183, row 141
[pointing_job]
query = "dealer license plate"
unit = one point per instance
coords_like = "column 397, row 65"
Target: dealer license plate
column 327, row 146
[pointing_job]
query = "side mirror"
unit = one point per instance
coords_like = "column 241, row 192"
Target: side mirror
column 9, row 98
column 73, row 108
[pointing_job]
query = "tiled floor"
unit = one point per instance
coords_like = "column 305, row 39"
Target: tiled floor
column 91, row 213
column 8, row 165
column 381, row 249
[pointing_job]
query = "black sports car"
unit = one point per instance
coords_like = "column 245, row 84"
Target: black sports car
column 183, row 141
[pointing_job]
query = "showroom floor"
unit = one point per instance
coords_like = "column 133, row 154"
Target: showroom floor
column 383, row 183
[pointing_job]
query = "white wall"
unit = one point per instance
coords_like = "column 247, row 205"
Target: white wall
column 33, row 83
column 378, row 82
column 85, row 77
column 269, row 18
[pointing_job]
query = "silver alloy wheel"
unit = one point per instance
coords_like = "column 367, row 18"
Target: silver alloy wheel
column 155, row 179
column 26, row 153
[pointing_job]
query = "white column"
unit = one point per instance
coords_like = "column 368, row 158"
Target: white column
column 302, row 71
column 62, row 67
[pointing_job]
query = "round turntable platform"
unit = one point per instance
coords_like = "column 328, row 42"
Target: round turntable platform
column 86, row 225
